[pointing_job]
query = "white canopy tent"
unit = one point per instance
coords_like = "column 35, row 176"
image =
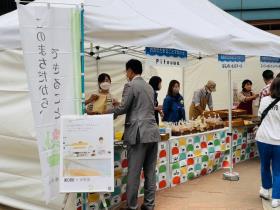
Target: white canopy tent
column 196, row 26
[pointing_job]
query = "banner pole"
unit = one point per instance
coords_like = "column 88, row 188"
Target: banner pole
column 82, row 110
column 82, row 60
column 230, row 176
column 84, row 195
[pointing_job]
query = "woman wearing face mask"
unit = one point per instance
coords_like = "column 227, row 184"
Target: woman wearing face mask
column 173, row 105
column 246, row 97
column 103, row 99
column 155, row 82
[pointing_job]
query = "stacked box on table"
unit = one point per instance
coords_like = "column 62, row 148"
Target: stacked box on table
column 162, row 170
column 179, row 160
column 195, row 155
column 250, row 134
column 239, row 141
column 244, row 146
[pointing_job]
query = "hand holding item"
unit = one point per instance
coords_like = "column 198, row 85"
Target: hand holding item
column 256, row 96
column 105, row 112
column 94, row 97
column 161, row 114
column 158, row 108
column 115, row 102
column 93, row 113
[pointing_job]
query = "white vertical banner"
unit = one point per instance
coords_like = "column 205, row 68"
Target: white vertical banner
column 87, row 154
column 49, row 58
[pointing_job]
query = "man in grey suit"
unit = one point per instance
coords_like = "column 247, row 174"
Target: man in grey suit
column 141, row 135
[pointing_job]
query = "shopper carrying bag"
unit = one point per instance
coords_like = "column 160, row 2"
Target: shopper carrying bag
column 268, row 140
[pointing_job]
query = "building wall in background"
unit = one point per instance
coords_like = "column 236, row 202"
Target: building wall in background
column 263, row 14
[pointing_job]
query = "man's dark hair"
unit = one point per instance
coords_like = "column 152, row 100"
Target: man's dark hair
column 170, row 87
column 135, row 66
column 275, row 88
column 154, row 82
column 268, row 75
column 278, row 75
column 245, row 82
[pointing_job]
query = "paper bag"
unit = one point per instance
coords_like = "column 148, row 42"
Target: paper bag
column 98, row 106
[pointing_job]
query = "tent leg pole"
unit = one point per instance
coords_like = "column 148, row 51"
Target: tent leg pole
column 231, row 176
column 230, row 117
column 97, row 68
column 183, row 81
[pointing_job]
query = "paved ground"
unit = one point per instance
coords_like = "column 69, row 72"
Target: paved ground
column 213, row 193
column 267, row 206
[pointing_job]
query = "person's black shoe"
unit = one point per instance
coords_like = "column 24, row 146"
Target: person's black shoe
column 125, row 208
column 143, row 207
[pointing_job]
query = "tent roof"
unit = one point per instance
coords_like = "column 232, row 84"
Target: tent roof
column 197, row 26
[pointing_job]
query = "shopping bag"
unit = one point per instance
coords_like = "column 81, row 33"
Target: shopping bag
column 99, row 105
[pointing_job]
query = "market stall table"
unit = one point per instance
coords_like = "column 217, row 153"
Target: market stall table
column 180, row 159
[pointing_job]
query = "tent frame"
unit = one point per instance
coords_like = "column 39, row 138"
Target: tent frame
column 99, row 53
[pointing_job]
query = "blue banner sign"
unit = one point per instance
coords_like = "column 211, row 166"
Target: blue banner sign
column 152, row 51
column 231, row 58
column 166, row 57
column 268, row 62
column 231, row 62
column 268, row 59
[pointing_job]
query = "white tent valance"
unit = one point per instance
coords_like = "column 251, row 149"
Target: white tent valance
column 196, row 26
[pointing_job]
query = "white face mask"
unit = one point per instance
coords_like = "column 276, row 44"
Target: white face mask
column 105, row 85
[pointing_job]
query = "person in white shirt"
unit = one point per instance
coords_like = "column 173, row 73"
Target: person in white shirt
column 268, row 140
column 268, row 77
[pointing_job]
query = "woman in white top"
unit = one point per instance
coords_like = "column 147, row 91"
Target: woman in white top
column 268, row 140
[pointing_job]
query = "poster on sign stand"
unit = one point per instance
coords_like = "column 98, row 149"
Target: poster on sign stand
column 87, row 154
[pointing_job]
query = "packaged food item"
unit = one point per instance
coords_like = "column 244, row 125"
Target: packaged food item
column 118, row 135
column 199, row 125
